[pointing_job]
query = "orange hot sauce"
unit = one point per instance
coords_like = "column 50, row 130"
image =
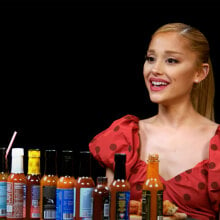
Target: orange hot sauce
column 65, row 192
column 48, row 185
column 33, row 185
column 16, row 187
column 84, row 188
column 152, row 194
column 119, row 190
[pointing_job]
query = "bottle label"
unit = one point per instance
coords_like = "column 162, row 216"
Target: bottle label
column 160, row 204
column 122, row 205
column 64, row 204
column 146, row 204
column 86, row 205
column 106, row 208
column 35, row 201
column 16, row 200
column 3, row 198
column 146, row 197
column 49, row 202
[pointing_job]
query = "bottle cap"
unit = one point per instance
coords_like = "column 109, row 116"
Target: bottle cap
column 33, row 153
column 102, row 179
column 17, row 152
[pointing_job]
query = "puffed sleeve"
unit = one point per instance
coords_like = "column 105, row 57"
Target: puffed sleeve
column 120, row 137
column 214, row 171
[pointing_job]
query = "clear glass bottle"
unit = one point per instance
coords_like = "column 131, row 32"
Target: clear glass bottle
column 16, row 187
column 120, row 190
column 84, row 188
column 65, row 192
column 101, row 199
column 152, row 193
column 3, row 183
column 48, row 185
column 33, row 185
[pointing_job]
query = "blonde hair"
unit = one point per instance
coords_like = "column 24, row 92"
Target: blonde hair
column 202, row 95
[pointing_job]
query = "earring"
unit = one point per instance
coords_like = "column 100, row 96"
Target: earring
column 196, row 80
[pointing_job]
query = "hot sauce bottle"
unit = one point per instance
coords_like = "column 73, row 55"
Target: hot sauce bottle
column 120, row 190
column 84, row 188
column 16, row 186
column 48, row 185
column 65, row 192
column 33, row 184
column 101, row 199
column 3, row 183
column 152, row 193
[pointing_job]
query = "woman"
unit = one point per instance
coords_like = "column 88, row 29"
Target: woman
column 179, row 78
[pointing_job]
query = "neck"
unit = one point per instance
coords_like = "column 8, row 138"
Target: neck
column 176, row 116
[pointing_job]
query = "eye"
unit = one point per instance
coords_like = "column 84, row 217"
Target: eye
column 172, row 60
column 150, row 59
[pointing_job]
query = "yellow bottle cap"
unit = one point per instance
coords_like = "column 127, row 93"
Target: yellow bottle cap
column 33, row 153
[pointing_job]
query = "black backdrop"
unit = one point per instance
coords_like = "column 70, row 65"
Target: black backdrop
column 69, row 69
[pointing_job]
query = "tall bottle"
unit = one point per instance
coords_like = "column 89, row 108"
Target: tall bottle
column 66, row 191
column 120, row 190
column 101, row 199
column 48, row 185
column 152, row 194
column 33, row 185
column 84, row 188
column 3, row 183
column 16, row 186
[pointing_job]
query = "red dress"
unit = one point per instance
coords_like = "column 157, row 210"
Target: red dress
column 195, row 191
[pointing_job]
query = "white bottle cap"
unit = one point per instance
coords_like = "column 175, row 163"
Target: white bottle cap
column 17, row 165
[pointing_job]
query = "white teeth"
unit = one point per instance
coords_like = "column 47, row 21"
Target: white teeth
column 159, row 83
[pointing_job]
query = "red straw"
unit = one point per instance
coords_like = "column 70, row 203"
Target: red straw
column 10, row 144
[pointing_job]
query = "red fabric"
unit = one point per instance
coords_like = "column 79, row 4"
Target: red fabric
column 196, row 191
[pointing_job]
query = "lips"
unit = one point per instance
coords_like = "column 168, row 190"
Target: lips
column 157, row 84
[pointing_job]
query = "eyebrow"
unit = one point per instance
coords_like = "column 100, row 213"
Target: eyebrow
column 167, row 52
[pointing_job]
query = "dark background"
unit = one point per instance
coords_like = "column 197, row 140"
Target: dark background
column 69, row 68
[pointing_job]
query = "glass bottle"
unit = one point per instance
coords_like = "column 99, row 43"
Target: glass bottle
column 120, row 190
column 152, row 193
column 3, row 183
column 48, row 185
column 101, row 199
column 84, row 188
column 65, row 192
column 16, row 186
column 33, row 184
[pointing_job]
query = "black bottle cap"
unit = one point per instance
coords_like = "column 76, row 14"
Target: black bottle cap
column 85, row 164
column 120, row 170
column 67, row 163
column 50, row 162
column 3, row 161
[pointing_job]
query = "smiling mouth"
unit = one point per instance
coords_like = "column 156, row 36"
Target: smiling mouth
column 156, row 83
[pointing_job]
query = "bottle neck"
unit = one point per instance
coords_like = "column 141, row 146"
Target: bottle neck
column 17, row 165
column 153, row 169
column 34, row 165
column 85, row 164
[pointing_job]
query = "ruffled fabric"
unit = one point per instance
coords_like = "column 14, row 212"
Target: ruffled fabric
column 195, row 191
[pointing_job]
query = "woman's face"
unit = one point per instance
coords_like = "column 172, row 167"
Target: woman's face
column 170, row 69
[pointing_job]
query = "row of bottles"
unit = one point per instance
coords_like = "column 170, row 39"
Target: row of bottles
column 51, row 197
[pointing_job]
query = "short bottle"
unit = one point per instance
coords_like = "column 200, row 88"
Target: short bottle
column 33, row 185
column 48, row 185
column 16, row 187
column 101, row 199
column 120, row 190
column 84, row 188
column 152, row 191
column 3, row 183
column 65, row 192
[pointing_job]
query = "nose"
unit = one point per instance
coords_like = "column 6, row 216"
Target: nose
column 157, row 68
